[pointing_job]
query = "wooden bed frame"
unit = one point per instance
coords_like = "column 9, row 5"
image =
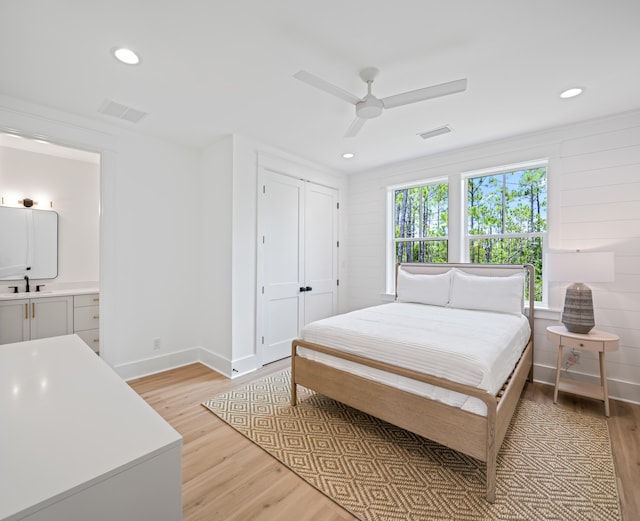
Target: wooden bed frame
column 469, row 433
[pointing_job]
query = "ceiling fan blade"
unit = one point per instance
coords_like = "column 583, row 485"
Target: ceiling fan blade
column 435, row 91
column 355, row 127
column 321, row 84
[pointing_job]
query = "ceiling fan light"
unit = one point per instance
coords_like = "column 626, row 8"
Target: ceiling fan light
column 369, row 108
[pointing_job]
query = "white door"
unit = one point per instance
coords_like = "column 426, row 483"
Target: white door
column 297, row 259
column 279, row 245
column 321, row 252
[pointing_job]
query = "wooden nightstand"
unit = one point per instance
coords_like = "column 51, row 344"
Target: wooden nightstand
column 595, row 340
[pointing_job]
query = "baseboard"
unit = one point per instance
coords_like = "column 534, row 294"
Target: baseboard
column 245, row 365
column 165, row 362
column 157, row 364
column 618, row 389
column 215, row 362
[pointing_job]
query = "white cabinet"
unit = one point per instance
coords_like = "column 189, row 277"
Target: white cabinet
column 86, row 319
column 30, row 319
column 78, row 443
column 14, row 321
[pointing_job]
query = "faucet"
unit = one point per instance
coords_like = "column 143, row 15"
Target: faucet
column 26, row 278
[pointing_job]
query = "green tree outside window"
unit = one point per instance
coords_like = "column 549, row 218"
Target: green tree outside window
column 421, row 223
column 507, row 219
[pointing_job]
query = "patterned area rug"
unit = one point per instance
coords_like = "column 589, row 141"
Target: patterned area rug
column 553, row 464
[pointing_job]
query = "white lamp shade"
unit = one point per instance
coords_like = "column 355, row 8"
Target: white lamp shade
column 581, row 267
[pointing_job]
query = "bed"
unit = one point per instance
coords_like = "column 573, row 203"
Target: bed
column 372, row 359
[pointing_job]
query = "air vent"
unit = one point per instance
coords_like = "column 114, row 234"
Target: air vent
column 435, row 132
column 120, row 111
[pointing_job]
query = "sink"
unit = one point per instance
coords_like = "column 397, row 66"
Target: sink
column 23, row 294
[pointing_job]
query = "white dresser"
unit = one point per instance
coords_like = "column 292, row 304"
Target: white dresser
column 77, row 443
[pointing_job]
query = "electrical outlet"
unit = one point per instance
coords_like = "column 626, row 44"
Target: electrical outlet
column 574, row 357
column 156, row 344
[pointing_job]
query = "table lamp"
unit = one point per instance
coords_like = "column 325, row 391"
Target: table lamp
column 577, row 314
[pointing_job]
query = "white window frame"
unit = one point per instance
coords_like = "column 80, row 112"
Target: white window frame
column 391, row 219
column 458, row 237
column 464, row 228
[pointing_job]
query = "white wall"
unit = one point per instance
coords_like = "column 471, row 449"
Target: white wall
column 153, row 287
column 216, row 254
column 74, row 188
column 149, row 233
column 598, row 207
column 244, row 256
column 594, row 203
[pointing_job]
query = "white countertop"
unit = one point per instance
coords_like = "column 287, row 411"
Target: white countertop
column 49, row 293
column 67, row 420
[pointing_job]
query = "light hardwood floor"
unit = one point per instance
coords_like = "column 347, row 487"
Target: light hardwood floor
column 226, row 477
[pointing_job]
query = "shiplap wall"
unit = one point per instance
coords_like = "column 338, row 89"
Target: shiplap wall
column 594, row 204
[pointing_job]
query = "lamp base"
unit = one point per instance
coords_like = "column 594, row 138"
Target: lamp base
column 577, row 315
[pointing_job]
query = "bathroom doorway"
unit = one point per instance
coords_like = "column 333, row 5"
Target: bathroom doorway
column 45, row 177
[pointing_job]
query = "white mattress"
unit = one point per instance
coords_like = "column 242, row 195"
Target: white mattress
column 476, row 348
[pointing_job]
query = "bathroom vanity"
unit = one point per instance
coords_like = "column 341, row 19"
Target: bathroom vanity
column 77, row 443
column 43, row 314
column 29, row 257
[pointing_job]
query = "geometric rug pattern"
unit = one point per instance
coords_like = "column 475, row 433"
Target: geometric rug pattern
column 554, row 465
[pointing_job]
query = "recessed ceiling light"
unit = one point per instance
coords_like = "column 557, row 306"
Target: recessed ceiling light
column 126, row 55
column 348, row 155
column 571, row 93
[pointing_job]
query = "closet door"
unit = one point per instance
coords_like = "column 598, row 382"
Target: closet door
column 280, row 264
column 297, row 259
column 321, row 252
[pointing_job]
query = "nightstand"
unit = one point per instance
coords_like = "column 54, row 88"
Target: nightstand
column 595, row 340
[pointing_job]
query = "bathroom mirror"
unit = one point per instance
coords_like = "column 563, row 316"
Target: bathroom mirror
column 28, row 243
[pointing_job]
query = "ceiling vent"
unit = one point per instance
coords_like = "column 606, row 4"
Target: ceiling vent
column 117, row 110
column 435, row 132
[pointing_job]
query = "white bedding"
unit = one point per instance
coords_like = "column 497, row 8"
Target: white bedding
column 476, row 348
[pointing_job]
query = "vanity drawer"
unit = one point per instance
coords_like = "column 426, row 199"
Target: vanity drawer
column 91, row 337
column 86, row 318
column 578, row 343
column 86, row 300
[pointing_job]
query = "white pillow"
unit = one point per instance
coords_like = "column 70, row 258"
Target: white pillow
column 499, row 294
column 423, row 289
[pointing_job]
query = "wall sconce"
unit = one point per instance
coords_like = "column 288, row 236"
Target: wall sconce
column 577, row 314
column 27, row 203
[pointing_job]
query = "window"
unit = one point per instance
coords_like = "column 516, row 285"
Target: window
column 494, row 216
column 507, row 218
column 420, row 215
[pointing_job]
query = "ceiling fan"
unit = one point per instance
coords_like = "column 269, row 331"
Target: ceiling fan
column 371, row 107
